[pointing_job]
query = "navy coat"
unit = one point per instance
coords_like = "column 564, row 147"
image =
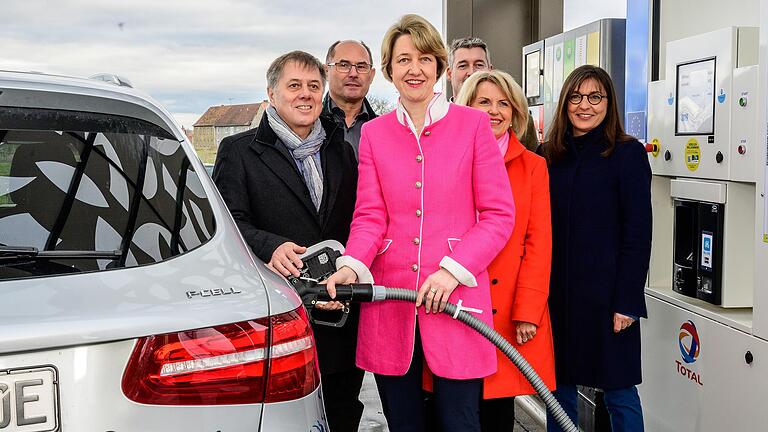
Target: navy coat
column 601, row 246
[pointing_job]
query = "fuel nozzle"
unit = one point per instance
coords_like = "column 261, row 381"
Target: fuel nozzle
column 319, row 262
column 357, row 292
column 312, row 293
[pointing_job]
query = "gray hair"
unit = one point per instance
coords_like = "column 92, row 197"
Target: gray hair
column 332, row 50
column 468, row 42
column 301, row 58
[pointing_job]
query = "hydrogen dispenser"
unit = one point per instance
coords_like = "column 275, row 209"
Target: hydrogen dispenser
column 703, row 137
column 705, row 343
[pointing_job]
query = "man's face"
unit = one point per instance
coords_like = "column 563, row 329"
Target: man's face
column 298, row 97
column 351, row 86
column 466, row 61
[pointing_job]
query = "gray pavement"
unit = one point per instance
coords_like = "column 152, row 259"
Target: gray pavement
column 373, row 417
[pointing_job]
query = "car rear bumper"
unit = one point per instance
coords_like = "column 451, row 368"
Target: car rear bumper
column 90, row 398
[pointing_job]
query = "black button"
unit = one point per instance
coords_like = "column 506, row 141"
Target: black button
column 719, row 157
column 667, row 155
column 494, row 281
column 494, row 311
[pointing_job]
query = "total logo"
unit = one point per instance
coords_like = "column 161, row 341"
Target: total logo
column 690, row 348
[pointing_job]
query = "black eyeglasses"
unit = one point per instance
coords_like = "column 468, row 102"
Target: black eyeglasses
column 592, row 98
column 345, row 67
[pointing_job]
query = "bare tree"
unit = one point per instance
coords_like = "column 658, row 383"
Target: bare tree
column 380, row 105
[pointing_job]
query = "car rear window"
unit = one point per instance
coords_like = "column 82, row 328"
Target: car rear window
column 93, row 182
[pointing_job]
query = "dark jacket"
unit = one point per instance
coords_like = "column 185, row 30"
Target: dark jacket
column 329, row 114
column 601, row 231
column 270, row 202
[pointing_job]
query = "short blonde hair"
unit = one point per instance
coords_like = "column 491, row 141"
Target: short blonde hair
column 508, row 86
column 425, row 38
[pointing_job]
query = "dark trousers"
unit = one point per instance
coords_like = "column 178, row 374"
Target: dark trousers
column 456, row 401
column 497, row 415
column 341, row 392
column 623, row 406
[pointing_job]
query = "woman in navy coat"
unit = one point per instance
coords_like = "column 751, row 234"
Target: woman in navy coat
column 600, row 185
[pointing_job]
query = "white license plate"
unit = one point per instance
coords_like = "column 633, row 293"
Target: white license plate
column 29, row 400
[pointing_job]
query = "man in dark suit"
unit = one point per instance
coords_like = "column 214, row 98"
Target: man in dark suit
column 291, row 183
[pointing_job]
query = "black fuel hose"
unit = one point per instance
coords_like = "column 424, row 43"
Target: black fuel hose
column 370, row 293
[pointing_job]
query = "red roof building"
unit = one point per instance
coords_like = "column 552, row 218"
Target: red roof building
column 221, row 121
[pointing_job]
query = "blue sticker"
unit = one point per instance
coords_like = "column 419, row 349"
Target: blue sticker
column 721, row 96
column 670, row 99
column 706, row 249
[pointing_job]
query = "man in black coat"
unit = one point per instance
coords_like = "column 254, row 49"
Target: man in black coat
column 291, row 183
column 349, row 66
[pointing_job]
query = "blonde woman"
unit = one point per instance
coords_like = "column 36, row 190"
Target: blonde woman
column 520, row 273
column 434, row 208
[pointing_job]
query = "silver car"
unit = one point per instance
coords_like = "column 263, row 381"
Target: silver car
column 128, row 299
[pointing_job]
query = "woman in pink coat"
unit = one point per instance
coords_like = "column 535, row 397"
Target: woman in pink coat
column 434, row 207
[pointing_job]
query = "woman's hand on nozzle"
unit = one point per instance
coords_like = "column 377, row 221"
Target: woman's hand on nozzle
column 344, row 275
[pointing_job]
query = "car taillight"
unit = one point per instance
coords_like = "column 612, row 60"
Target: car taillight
column 264, row 360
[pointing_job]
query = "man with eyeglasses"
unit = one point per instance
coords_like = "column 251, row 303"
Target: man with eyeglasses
column 350, row 73
column 469, row 55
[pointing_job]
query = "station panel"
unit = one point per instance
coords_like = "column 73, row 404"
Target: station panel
column 600, row 43
column 702, row 146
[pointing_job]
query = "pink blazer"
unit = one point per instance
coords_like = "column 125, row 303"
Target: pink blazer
column 443, row 199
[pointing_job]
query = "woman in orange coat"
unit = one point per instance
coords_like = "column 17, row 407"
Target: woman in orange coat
column 520, row 273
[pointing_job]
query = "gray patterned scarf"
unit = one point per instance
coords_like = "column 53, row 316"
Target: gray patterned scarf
column 305, row 152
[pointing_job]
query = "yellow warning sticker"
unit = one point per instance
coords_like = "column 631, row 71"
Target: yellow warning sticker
column 692, row 154
column 765, row 238
column 656, row 147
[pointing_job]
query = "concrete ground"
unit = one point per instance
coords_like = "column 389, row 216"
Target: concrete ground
column 373, row 418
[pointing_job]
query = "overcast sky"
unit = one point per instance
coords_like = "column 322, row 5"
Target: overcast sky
column 191, row 54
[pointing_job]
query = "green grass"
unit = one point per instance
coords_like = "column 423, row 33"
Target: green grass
column 207, row 155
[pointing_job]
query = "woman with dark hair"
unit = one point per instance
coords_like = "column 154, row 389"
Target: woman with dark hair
column 600, row 188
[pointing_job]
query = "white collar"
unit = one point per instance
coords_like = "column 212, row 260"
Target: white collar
column 436, row 110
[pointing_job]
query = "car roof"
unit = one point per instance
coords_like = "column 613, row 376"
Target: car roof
column 57, row 92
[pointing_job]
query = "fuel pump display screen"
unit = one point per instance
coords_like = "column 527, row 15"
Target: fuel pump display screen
column 695, row 108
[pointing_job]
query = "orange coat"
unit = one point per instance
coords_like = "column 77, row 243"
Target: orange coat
column 520, row 276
